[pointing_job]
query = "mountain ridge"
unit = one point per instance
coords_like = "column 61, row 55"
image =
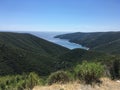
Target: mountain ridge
column 21, row 52
column 95, row 40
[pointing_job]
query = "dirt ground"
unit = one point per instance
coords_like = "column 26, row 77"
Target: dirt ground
column 107, row 84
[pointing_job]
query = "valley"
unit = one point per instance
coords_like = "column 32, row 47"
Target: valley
column 25, row 57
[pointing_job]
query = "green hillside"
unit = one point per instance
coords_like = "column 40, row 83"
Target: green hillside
column 25, row 53
column 30, row 43
column 73, row 57
column 108, row 42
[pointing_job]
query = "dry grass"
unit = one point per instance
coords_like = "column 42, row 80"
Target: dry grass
column 106, row 85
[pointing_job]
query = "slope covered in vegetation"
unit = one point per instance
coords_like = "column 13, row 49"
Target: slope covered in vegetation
column 96, row 41
column 25, row 53
column 21, row 54
column 30, row 43
column 73, row 57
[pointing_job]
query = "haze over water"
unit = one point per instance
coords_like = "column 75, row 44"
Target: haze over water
column 49, row 36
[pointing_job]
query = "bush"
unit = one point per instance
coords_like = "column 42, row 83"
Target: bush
column 33, row 80
column 20, row 82
column 115, row 69
column 89, row 72
column 58, row 77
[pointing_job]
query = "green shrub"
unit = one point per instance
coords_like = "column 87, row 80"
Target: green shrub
column 33, row 80
column 115, row 69
column 89, row 72
column 20, row 82
column 70, row 74
column 58, row 77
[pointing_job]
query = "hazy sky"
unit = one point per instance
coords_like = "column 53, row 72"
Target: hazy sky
column 60, row 15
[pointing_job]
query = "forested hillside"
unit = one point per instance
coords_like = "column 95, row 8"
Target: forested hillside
column 27, row 61
column 108, row 42
column 25, row 53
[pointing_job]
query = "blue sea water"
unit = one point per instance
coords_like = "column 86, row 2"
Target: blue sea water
column 49, row 36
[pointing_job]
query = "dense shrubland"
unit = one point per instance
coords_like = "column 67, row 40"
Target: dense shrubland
column 87, row 72
column 21, row 53
column 115, row 69
column 58, row 77
column 20, row 82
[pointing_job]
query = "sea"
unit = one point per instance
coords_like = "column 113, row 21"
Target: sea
column 49, row 36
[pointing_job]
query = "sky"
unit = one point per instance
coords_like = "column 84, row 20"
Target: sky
column 60, row 15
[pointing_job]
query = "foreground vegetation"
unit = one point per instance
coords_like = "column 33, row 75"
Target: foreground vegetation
column 20, row 82
column 86, row 72
column 89, row 72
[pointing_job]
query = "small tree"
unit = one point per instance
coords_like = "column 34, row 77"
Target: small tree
column 89, row 72
column 58, row 77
